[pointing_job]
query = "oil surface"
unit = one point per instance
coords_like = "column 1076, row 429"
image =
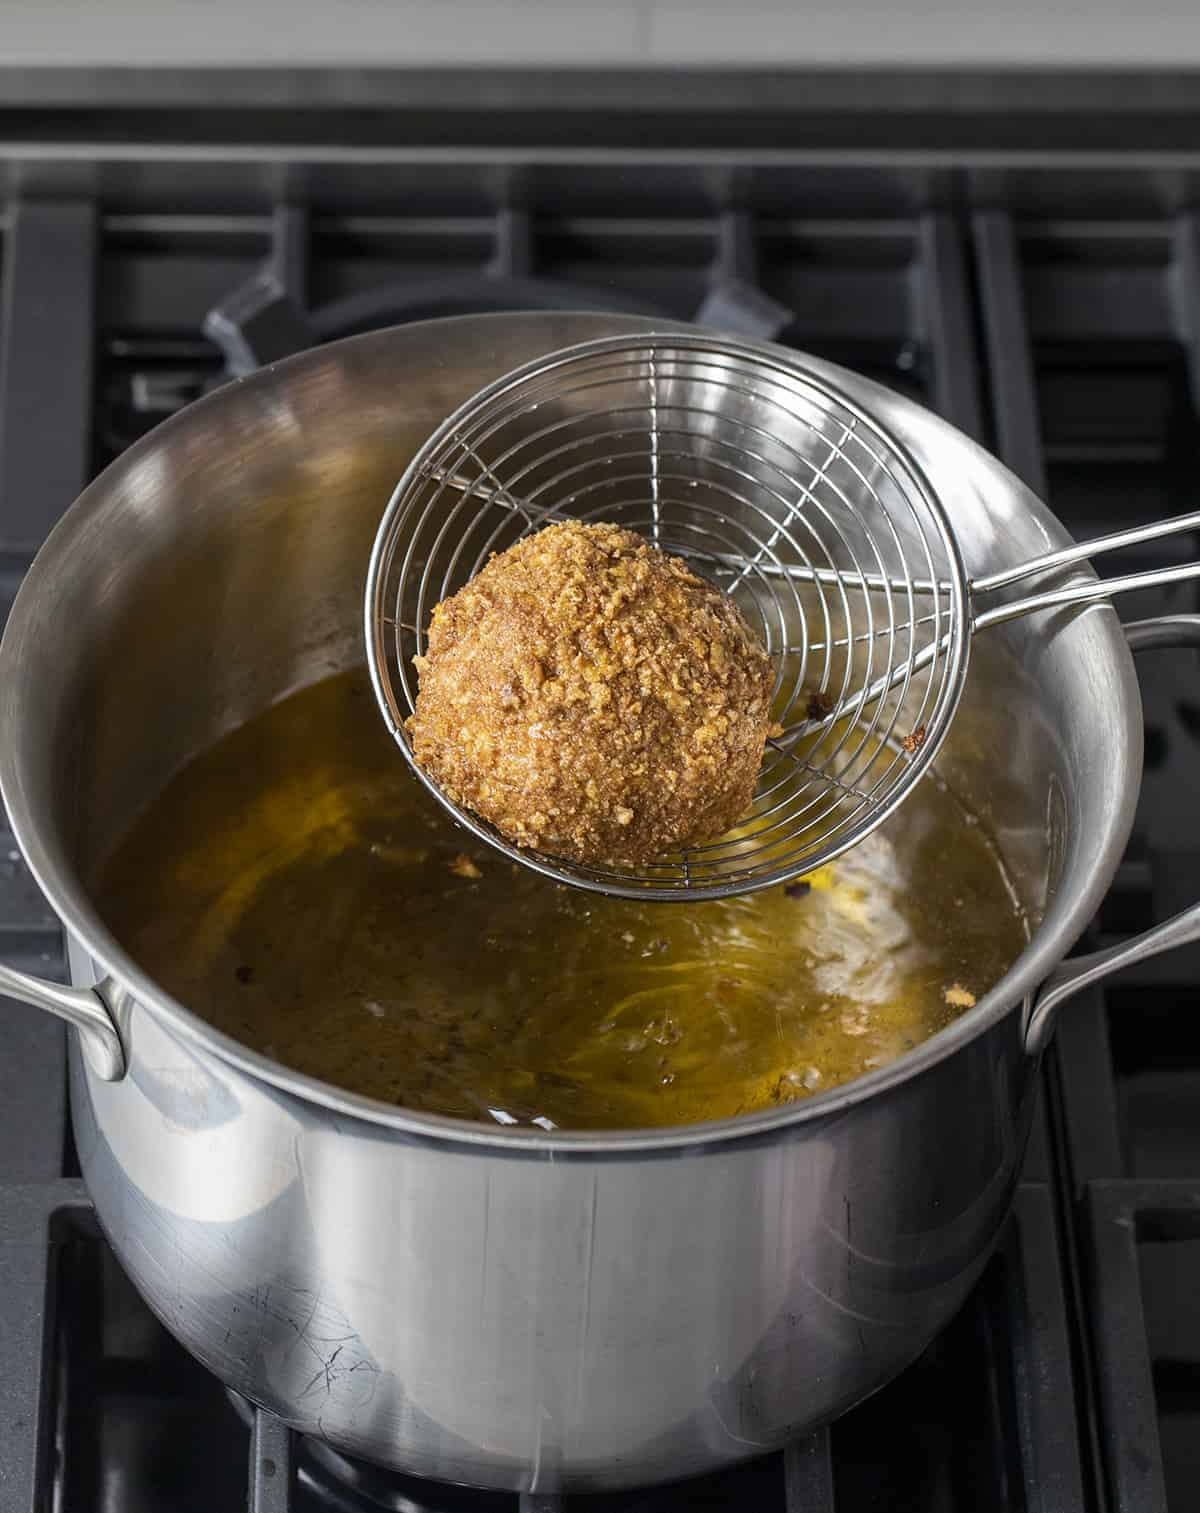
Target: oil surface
column 296, row 887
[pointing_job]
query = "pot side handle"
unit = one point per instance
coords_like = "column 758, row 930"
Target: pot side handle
column 1169, row 631
column 85, row 1008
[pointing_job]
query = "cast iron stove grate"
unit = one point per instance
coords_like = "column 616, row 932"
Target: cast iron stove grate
column 1059, row 322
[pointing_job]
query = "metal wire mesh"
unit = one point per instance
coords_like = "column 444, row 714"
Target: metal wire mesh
column 772, row 485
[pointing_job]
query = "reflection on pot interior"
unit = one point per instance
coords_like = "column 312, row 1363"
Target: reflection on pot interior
column 297, row 887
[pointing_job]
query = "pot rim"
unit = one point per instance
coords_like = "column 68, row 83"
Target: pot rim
column 71, row 904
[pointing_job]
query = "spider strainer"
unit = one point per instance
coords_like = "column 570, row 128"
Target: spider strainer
column 781, row 491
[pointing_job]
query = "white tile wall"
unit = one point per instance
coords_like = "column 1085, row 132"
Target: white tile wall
column 931, row 33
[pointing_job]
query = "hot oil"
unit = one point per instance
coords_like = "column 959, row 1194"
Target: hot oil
column 297, row 887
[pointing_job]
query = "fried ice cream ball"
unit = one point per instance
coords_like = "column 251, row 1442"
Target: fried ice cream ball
column 593, row 698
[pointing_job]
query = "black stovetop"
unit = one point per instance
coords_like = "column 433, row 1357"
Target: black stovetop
column 1050, row 308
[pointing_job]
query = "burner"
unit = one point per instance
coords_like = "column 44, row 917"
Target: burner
column 260, row 322
column 342, row 1483
column 353, row 1486
column 328, row 1481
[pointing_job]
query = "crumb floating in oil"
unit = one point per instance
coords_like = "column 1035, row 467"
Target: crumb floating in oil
column 297, row 887
column 958, row 997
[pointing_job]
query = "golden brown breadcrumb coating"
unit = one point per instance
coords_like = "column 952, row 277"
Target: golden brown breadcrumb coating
column 593, row 698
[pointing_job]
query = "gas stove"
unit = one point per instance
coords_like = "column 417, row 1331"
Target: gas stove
column 1047, row 302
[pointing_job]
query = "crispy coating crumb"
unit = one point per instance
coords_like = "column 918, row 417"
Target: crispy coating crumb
column 957, row 997
column 592, row 697
column 463, row 866
column 913, row 743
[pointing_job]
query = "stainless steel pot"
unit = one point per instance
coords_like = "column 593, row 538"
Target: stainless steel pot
column 516, row 1310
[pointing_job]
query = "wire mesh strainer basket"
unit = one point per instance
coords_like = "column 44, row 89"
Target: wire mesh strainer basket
column 770, row 483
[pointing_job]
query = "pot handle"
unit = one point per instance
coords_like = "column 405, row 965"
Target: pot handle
column 1169, row 631
column 85, row 1008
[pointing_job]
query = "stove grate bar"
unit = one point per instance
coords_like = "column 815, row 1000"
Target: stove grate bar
column 1116, row 1213
column 272, row 1465
column 1010, row 362
column 945, row 313
column 47, row 336
column 27, row 1256
column 808, row 1475
column 1043, row 1382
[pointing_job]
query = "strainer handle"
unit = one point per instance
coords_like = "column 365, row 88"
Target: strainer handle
column 1087, row 592
column 1084, row 593
column 1079, row 972
column 1084, row 551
